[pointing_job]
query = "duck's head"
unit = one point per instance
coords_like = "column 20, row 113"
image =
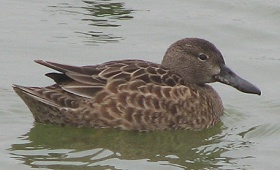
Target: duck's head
column 198, row 61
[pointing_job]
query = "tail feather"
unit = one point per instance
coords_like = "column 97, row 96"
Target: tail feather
column 29, row 93
column 46, row 105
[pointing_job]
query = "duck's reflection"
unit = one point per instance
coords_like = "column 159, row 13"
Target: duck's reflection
column 54, row 146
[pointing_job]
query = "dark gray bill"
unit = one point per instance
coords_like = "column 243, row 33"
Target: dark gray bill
column 228, row 77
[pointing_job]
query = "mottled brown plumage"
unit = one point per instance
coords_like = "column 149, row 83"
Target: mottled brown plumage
column 137, row 95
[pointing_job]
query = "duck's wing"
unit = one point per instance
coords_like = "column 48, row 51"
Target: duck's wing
column 86, row 81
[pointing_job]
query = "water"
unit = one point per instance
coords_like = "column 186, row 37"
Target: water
column 91, row 32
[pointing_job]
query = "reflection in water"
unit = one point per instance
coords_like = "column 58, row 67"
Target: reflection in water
column 67, row 147
column 101, row 15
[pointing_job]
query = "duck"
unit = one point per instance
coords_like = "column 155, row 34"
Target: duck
column 138, row 95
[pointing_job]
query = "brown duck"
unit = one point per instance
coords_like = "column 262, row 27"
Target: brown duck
column 138, row 95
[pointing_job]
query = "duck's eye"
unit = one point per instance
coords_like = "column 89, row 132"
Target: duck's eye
column 202, row 57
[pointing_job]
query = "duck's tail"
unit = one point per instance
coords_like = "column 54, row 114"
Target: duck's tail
column 46, row 104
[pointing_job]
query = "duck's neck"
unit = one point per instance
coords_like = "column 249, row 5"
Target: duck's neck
column 214, row 97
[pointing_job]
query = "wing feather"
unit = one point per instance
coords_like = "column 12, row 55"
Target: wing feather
column 86, row 81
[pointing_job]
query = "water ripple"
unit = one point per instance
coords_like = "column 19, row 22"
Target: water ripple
column 99, row 15
column 53, row 146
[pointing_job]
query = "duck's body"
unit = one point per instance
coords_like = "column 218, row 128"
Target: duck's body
column 135, row 94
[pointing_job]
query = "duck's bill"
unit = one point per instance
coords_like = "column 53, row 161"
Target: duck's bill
column 228, row 77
